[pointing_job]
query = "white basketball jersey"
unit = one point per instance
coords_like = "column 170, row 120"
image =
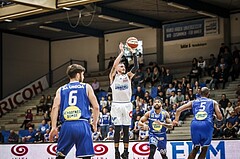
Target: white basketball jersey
column 121, row 88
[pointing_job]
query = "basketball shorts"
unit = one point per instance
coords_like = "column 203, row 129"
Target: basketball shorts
column 160, row 141
column 121, row 113
column 76, row 133
column 201, row 133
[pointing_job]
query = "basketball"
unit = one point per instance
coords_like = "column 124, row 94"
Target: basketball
column 132, row 42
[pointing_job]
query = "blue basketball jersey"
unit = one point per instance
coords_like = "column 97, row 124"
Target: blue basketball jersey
column 203, row 109
column 75, row 104
column 154, row 128
column 105, row 119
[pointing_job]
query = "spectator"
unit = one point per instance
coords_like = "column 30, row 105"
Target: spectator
column 184, row 83
column 147, row 77
column 162, row 74
column 167, row 79
column 41, row 104
column 1, row 137
column 96, row 136
column 135, row 113
column 169, row 90
column 235, row 69
column 43, row 127
column 103, row 103
column 229, row 131
column 138, row 79
column 218, row 128
column 29, row 124
column 47, row 116
column 136, row 128
column 105, row 121
column 227, row 58
column 194, row 62
column 228, row 110
column 194, row 73
column 173, row 98
column 139, row 92
column 109, row 102
column 30, row 136
column 233, row 120
column 180, row 97
column 96, row 86
column 39, row 138
column 161, row 96
column 215, row 79
column 110, row 134
column 236, row 53
column 48, row 104
column 212, row 62
column 147, row 97
column 155, row 76
column 224, row 101
column 221, row 51
column 202, row 66
column 223, row 76
column 191, row 95
column 28, row 118
column 13, row 137
column 143, row 134
column 46, row 136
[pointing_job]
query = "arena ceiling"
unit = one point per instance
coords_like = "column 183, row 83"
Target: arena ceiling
column 81, row 18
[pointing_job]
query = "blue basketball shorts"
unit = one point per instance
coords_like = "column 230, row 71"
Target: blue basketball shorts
column 160, row 141
column 76, row 133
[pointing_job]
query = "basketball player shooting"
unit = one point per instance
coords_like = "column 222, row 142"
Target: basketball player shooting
column 120, row 82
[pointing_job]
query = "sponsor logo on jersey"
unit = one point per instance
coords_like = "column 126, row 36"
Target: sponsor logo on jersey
column 72, row 113
column 201, row 115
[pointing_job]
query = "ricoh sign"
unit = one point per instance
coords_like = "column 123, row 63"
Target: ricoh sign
column 23, row 95
column 219, row 149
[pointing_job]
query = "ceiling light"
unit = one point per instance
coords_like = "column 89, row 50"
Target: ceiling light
column 8, row 20
column 108, row 18
column 21, row 13
column 206, row 14
column 138, row 24
column 50, row 28
column 72, row 2
column 177, row 6
column 66, row 8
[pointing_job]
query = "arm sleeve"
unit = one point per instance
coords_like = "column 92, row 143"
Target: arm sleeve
column 136, row 65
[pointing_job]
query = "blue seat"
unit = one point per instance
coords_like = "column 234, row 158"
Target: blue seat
column 22, row 133
column 5, row 134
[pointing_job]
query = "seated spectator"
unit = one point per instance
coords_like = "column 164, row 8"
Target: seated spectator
column 13, row 137
column 147, row 97
column 39, row 138
column 155, row 77
column 233, row 120
column 109, row 103
column 224, row 101
column 229, row 132
column 48, row 104
column 131, row 135
column 110, row 134
column 47, row 116
column 202, row 66
column 223, row 77
column 169, row 90
column 212, row 62
column 215, row 78
column 96, row 86
column 173, row 98
column 236, row 53
column 104, row 122
column 28, row 118
column 235, row 69
column 172, row 112
column 218, row 128
column 103, row 103
column 96, row 136
column 139, row 92
column 147, row 77
column 30, row 136
column 143, row 134
column 180, row 97
column 41, row 104
column 136, row 128
column 188, row 87
column 167, row 79
column 228, row 110
column 46, row 136
column 194, row 73
column 138, row 79
column 29, row 124
column 43, row 127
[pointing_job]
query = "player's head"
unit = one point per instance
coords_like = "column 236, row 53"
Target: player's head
column 157, row 103
column 205, row 92
column 76, row 71
column 121, row 68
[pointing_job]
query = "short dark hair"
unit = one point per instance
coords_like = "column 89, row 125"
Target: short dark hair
column 73, row 69
column 158, row 98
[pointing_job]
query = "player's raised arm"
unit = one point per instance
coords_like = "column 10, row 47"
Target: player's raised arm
column 135, row 67
column 93, row 101
column 217, row 111
column 54, row 115
column 116, row 62
column 181, row 109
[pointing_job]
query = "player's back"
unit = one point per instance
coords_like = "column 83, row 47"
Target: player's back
column 75, row 104
column 203, row 109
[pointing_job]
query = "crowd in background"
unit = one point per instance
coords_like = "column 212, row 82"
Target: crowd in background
column 151, row 81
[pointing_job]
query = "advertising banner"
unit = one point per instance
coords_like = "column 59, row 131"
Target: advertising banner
column 221, row 149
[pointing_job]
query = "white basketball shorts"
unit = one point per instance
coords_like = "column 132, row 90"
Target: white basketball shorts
column 121, row 113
